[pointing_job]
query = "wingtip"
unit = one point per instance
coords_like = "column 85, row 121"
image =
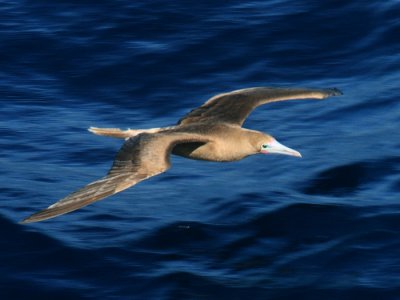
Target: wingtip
column 30, row 219
column 26, row 221
column 41, row 215
column 334, row 92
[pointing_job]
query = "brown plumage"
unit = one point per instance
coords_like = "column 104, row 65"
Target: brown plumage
column 210, row 132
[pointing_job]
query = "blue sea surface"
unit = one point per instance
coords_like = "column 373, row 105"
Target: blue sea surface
column 326, row 226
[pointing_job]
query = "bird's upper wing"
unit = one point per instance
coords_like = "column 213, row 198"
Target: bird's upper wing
column 139, row 158
column 234, row 107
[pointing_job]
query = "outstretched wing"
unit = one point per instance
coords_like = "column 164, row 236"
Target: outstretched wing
column 234, row 107
column 140, row 157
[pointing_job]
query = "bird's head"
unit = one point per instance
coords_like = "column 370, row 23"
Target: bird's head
column 270, row 145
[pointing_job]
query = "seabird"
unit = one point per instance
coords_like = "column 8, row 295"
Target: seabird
column 211, row 132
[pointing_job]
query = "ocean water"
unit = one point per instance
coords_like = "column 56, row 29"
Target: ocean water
column 326, row 226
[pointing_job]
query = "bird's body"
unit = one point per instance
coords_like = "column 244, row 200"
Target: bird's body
column 227, row 142
column 212, row 132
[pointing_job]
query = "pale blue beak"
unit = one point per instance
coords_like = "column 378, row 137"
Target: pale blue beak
column 274, row 147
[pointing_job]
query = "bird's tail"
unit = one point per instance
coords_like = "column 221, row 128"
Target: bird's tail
column 124, row 134
column 116, row 132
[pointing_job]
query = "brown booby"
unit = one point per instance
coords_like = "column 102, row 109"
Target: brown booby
column 210, row 132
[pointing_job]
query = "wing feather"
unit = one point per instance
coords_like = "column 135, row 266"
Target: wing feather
column 234, row 107
column 139, row 158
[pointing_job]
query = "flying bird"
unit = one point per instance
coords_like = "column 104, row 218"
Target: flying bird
column 211, row 132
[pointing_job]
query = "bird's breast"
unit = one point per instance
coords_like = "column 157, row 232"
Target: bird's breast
column 210, row 151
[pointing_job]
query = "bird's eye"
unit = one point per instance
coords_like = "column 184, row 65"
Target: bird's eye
column 265, row 146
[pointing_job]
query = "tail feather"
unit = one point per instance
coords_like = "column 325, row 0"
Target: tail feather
column 115, row 132
column 125, row 134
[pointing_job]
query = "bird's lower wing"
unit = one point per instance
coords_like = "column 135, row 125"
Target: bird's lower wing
column 139, row 158
column 92, row 192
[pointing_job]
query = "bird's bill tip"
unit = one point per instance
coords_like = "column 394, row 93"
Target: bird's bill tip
column 297, row 154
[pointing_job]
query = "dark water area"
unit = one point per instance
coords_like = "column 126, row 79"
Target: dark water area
column 326, row 226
